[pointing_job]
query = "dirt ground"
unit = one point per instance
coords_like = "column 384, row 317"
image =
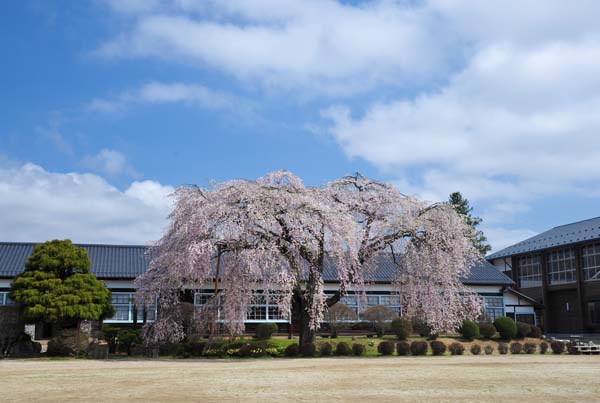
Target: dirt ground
column 383, row 379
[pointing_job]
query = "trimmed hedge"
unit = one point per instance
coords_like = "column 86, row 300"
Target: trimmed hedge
column 530, row 348
column 558, row 347
column 437, row 347
column 456, row 349
column 342, row 348
column 523, row 329
column 475, row 349
column 326, row 349
column 264, row 331
column 402, row 328
column 506, row 327
column 489, row 349
column 308, row 350
column 469, row 330
column 516, row 348
column 403, row 348
column 535, row 332
column 543, row 347
column 358, row 349
column 487, row 330
column 292, row 350
column 418, row 347
column 502, row 348
column 386, row 348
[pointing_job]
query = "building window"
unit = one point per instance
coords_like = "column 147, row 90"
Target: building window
column 591, row 262
column 4, row 299
column 530, row 271
column 594, row 312
column 359, row 304
column 264, row 307
column 561, row 266
column 493, row 307
column 124, row 303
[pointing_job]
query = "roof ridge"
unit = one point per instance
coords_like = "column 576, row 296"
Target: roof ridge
column 79, row 244
column 576, row 222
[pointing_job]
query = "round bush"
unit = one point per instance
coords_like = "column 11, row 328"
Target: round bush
column 456, row 349
column 487, row 330
column 523, row 329
column 342, row 348
column 437, row 347
column 385, row 348
column 506, row 327
column 358, row 349
column 57, row 347
column 502, row 348
column 543, row 347
column 558, row 347
column 264, row 331
column 489, row 350
column 572, row 349
column 292, row 350
column 403, row 348
column 418, row 347
column 308, row 350
column 535, row 332
column 469, row 330
column 516, row 348
column 402, row 328
column 475, row 349
column 325, row 349
column 530, row 348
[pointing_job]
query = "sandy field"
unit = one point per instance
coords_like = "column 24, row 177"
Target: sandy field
column 383, row 379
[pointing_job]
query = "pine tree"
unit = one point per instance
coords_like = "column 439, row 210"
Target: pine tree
column 58, row 286
column 463, row 208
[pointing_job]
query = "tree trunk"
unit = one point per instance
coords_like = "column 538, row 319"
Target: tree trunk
column 307, row 335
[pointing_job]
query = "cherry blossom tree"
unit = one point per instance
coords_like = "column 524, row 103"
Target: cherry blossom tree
column 274, row 234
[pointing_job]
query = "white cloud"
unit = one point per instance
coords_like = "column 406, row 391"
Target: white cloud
column 110, row 162
column 501, row 238
column 84, row 207
column 316, row 44
column 165, row 93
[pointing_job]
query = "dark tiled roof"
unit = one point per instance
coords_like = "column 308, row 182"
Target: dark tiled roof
column 127, row 262
column 108, row 261
column 563, row 235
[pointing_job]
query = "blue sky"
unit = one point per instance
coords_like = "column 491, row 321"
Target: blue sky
column 109, row 105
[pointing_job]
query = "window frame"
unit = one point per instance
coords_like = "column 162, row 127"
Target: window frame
column 586, row 257
column 532, row 277
column 561, row 266
column 151, row 308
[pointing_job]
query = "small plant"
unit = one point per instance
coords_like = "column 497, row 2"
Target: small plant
column 421, row 327
column 456, row 348
column 58, row 348
column 380, row 317
column 558, row 347
column 543, row 347
column 487, row 330
column 342, row 348
column 502, row 348
column 358, row 349
column 506, row 327
column 402, row 328
column 516, row 348
column 386, row 348
column 469, row 330
column 572, row 348
column 264, row 331
column 129, row 338
column 308, row 350
column 530, row 348
column 292, row 350
column 111, row 334
column 339, row 317
column 475, row 349
column 418, row 347
column 523, row 329
column 326, row 349
column 535, row 332
column 489, row 350
column 403, row 348
column 437, row 347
